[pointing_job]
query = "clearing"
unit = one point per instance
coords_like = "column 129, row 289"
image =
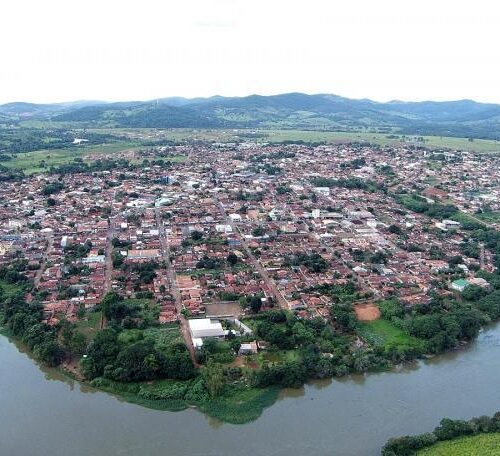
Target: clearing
column 383, row 333
column 367, row 312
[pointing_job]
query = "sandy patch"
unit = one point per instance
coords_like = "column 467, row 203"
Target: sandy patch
column 367, row 312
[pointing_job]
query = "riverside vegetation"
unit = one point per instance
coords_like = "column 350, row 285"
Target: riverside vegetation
column 478, row 436
column 146, row 363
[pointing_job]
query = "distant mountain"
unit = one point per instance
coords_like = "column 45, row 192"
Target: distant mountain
column 465, row 118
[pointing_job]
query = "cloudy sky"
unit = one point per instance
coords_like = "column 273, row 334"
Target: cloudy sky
column 60, row 50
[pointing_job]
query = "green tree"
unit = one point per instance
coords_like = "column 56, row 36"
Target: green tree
column 213, row 376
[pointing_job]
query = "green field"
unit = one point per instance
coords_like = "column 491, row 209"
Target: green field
column 384, row 334
column 276, row 135
column 168, row 334
column 30, row 162
column 489, row 217
column 478, row 445
column 89, row 324
column 9, row 289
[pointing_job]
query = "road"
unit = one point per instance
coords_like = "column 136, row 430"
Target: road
column 39, row 272
column 278, row 296
column 108, row 274
column 173, row 286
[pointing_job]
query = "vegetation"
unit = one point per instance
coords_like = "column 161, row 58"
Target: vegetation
column 393, row 121
column 477, row 445
column 451, row 435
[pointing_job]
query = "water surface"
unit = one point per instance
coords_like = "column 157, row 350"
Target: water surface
column 42, row 413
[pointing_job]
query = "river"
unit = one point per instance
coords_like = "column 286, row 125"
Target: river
column 45, row 414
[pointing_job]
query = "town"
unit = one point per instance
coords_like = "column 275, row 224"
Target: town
column 244, row 251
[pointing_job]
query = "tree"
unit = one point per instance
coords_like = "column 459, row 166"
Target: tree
column 395, row 229
column 213, row 377
column 102, row 352
column 49, row 353
column 259, row 231
column 196, row 235
column 255, row 304
column 232, row 259
column 78, row 344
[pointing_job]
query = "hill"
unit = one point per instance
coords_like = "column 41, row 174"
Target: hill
column 463, row 118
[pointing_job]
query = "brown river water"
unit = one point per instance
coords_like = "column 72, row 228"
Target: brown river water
column 43, row 413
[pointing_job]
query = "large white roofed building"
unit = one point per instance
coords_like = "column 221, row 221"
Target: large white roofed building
column 205, row 327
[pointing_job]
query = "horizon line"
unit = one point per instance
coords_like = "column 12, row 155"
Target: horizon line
column 190, row 98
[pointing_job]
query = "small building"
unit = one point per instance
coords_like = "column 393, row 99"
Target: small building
column 479, row 281
column 248, row 348
column 447, row 225
column 459, row 285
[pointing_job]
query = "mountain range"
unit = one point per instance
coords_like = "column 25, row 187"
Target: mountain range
column 464, row 118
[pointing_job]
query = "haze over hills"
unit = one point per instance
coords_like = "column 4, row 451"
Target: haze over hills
column 463, row 118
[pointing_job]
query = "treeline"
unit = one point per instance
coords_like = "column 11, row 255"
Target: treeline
column 50, row 344
column 420, row 205
column 322, row 350
column 314, row 262
column 11, row 175
column 116, row 359
column 447, row 430
column 350, row 183
column 25, row 322
column 13, row 141
column 80, row 167
column 129, row 356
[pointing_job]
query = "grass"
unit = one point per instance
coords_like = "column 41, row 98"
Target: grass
column 478, row 145
column 277, row 135
column 237, row 405
column 30, row 162
column 478, row 445
column 382, row 333
column 489, row 217
column 166, row 334
column 10, row 289
column 240, row 405
column 89, row 325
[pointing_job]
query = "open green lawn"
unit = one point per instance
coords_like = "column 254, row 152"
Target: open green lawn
column 30, row 162
column 489, row 217
column 89, row 324
column 478, row 445
column 165, row 334
column 10, row 289
column 383, row 333
column 478, row 145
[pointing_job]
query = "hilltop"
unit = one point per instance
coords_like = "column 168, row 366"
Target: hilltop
column 462, row 118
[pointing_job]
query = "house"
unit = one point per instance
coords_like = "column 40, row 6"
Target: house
column 249, row 348
column 480, row 282
column 459, row 285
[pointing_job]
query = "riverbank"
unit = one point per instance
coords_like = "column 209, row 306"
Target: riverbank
column 477, row 436
column 239, row 404
column 351, row 416
column 479, row 445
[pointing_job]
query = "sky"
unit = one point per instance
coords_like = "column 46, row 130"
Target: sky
column 60, row 50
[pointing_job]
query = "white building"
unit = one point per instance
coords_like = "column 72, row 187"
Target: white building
column 205, row 327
